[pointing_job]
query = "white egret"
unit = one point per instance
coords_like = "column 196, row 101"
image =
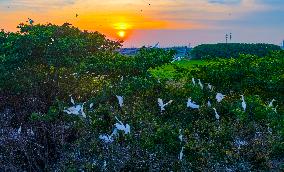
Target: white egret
column 209, row 103
column 244, row 105
column 20, row 130
column 91, row 105
column 82, row 111
column 216, row 114
column 180, row 135
column 72, row 100
column 271, row 103
column 122, row 127
column 209, row 86
column 76, row 110
column 192, row 104
column 120, row 100
column 181, row 154
column 220, row 97
column 200, row 84
column 193, row 81
column 106, row 138
column 162, row 105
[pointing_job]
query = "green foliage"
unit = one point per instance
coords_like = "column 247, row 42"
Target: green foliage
column 248, row 74
column 227, row 50
column 45, row 64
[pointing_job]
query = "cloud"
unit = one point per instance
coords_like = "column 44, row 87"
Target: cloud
column 34, row 4
column 226, row 2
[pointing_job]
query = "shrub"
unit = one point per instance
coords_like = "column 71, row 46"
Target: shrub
column 223, row 50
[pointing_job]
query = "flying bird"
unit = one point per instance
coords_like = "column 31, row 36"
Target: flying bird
column 216, row 114
column 162, row 105
column 220, row 97
column 120, row 100
column 244, row 105
column 30, row 21
column 192, row 104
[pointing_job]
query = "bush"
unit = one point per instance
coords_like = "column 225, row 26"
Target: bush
column 223, row 50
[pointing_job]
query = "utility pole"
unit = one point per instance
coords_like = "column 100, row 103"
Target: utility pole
column 226, row 38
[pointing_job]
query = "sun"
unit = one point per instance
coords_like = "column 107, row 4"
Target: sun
column 121, row 33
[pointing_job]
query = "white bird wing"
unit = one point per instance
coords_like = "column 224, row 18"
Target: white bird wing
column 169, row 102
column 120, row 126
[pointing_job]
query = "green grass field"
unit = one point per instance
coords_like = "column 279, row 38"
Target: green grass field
column 169, row 71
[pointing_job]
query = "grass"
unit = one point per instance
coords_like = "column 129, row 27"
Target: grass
column 169, row 71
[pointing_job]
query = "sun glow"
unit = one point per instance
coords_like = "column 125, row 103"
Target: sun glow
column 121, row 33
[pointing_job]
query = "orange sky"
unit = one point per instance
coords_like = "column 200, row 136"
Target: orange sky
column 136, row 19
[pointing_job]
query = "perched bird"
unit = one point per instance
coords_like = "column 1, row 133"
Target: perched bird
column 244, row 105
column 76, row 110
column 220, row 97
column 216, row 114
column 209, row 103
column 91, row 105
column 106, row 138
column 77, row 15
column 209, row 86
column 120, row 100
column 72, row 101
column 181, row 154
column 162, row 105
column 192, row 104
column 271, row 103
column 193, row 81
column 180, row 135
column 20, row 130
column 122, row 127
column 200, row 84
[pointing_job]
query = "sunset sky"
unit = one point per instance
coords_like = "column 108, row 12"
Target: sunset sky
column 146, row 22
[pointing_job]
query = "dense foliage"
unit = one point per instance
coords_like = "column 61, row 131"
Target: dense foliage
column 37, row 133
column 227, row 50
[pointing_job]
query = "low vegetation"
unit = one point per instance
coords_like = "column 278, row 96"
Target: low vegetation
column 231, row 50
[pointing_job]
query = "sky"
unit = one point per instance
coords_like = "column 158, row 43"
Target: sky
column 146, row 22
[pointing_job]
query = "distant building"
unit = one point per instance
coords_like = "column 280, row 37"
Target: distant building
column 283, row 44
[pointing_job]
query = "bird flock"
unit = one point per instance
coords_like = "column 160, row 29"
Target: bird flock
column 78, row 109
